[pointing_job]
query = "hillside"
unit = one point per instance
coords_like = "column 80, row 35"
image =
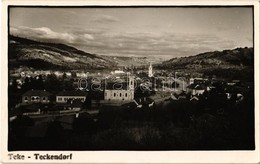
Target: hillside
column 236, row 63
column 133, row 60
column 52, row 56
column 25, row 53
column 46, row 56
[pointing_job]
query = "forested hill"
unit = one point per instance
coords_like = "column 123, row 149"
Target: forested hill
column 236, row 63
column 53, row 56
column 40, row 55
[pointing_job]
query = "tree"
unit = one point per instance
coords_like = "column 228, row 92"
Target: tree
column 53, row 83
column 40, row 83
column 14, row 86
column 27, row 84
column 87, row 102
column 64, row 76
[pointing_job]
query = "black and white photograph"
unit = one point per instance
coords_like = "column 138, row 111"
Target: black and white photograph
column 131, row 78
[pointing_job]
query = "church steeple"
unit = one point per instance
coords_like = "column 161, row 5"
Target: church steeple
column 150, row 71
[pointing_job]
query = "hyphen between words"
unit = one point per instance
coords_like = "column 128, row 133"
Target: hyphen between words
column 41, row 157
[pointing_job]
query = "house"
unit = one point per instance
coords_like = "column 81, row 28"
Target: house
column 138, row 104
column 230, row 91
column 160, row 98
column 71, row 106
column 36, row 96
column 174, row 96
column 194, row 98
column 119, row 95
column 191, row 81
column 76, row 104
column 196, row 89
column 196, row 80
column 234, row 93
column 180, row 96
column 233, row 82
column 64, row 96
column 119, row 72
column 210, row 87
column 240, row 97
column 144, row 102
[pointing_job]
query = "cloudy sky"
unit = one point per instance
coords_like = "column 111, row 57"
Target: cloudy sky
column 165, row 32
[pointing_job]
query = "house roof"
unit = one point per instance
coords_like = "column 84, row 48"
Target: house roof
column 40, row 93
column 197, row 86
column 182, row 94
column 196, row 98
column 72, row 93
column 74, row 103
column 144, row 100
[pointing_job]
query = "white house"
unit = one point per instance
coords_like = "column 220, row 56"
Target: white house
column 36, row 96
column 119, row 72
column 119, row 95
column 64, row 96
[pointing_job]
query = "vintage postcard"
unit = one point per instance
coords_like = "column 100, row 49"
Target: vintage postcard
column 130, row 82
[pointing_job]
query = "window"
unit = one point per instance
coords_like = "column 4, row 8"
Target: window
column 114, row 94
column 125, row 94
column 59, row 99
column 35, row 98
column 120, row 94
column 26, row 98
column 44, row 98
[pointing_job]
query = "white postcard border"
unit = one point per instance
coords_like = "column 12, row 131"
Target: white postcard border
column 131, row 156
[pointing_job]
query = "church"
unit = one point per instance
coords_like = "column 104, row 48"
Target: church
column 126, row 94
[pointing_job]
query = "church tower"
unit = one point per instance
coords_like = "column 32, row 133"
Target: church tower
column 130, row 88
column 130, row 80
column 150, row 71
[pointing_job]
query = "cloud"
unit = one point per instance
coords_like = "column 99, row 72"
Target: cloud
column 104, row 42
column 104, row 19
column 151, row 44
column 88, row 36
column 46, row 34
column 80, row 30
